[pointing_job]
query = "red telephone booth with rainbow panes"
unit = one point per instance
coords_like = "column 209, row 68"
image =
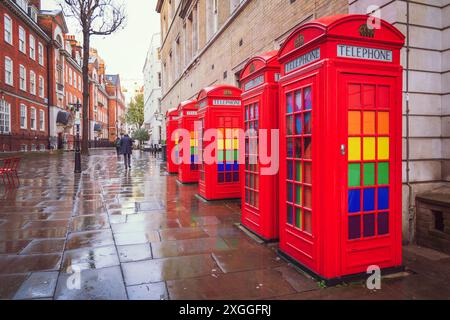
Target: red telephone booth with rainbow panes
column 220, row 109
column 171, row 126
column 341, row 147
column 259, row 80
column 187, row 115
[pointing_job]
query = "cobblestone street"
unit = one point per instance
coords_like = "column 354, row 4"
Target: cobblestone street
column 141, row 235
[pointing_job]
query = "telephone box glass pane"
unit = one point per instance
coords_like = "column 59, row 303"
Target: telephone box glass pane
column 383, row 223
column 368, row 96
column 354, row 123
column 298, row 101
column 383, row 123
column 383, row 96
column 289, row 108
column 369, row 199
column 383, row 198
column 354, row 227
column 308, row 222
column 383, row 173
column 354, row 175
column 298, row 218
column 369, row 122
column 369, row 225
column 354, row 96
column 354, row 201
column 369, row 174
column 383, row 148
column 308, row 98
column 298, row 124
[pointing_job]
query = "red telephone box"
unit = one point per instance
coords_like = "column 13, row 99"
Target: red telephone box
column 188, row 172
column 341, row 143
column 220, row 109
column 260, row 107
column 171, row 126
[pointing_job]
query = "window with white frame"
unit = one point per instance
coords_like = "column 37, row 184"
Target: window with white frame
column 9, row 71
column 41, row 120
column 23, row 4
column 23, row 116
column 8, row 29
column 32, row 82
column 41, row 54
column 41, row 87
column 74, row 80
column 33, row 118
column 5, row 117
column 70, row 76
column 23, row 78
column 79, row 83
column 32, row 47
column 22, row 40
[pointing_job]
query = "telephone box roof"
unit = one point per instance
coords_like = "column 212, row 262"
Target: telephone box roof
column 188, row 104
column 215, row 90
column 172, row 112
column 267, row 59
column 344, row 26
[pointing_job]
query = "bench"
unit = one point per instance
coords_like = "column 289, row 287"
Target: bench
column 8, row 170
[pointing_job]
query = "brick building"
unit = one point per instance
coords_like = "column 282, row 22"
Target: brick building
column 64, row 55
column 41, row 80
column 98, row 113
column 116, row 106
column 208, row 41
column 23, row 80
column 73, row 81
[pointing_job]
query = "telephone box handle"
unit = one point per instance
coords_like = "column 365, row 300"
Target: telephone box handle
column 343, row 149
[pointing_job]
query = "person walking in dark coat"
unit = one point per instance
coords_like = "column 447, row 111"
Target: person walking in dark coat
column 126, row 148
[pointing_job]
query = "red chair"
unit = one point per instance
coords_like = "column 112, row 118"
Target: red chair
column 5, row 169
column 9, row 170
column 14, row 168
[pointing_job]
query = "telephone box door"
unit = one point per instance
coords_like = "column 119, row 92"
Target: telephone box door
column 371, row 222
column 298, row 218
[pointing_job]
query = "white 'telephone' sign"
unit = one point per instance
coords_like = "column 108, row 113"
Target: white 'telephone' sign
column 346, row 51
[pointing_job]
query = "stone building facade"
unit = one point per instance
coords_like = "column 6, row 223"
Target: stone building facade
column 152, row 91
column 208, row 42
column 205, row 42
column 426, row 96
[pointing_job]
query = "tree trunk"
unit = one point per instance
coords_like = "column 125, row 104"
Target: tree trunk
column 86, row 94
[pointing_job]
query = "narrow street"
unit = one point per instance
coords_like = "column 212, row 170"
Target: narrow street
column 142, row 235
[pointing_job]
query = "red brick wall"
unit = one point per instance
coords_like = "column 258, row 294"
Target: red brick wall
column 13, row 94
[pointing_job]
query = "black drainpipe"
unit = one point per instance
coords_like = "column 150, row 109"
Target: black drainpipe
column 411, row 209
column 49, row 92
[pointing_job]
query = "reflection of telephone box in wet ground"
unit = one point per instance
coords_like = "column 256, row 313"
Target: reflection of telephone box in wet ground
column 220, row 109
column 188, row 171
column 340, row 183
column 172, row 126
column 260, row 107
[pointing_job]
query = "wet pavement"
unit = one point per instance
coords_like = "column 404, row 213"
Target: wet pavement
column 115, row 234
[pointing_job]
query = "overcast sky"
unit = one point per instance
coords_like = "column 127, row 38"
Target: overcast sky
column 124, row 52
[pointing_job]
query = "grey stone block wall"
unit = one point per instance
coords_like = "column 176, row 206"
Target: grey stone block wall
column 428, row 78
